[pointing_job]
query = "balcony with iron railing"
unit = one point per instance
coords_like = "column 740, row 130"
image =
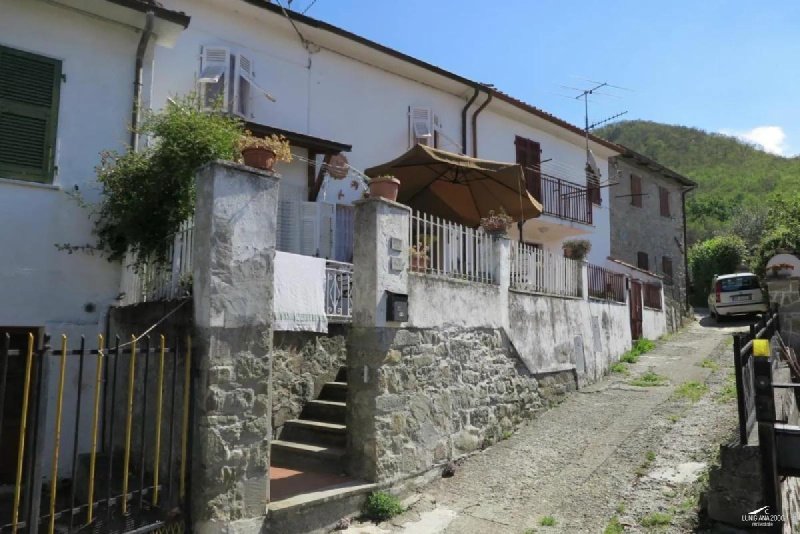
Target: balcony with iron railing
column 564, row 199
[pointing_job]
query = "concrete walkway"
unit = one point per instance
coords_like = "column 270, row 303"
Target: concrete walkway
column 611, row 450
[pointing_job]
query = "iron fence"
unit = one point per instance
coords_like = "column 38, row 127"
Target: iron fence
column 536, row 270
column 651, row 295
column 119, row 457
column 764, row 328
column 445, row 248
column 566, row 200
column 154, row 281
column 339, row 291
column 605, row 284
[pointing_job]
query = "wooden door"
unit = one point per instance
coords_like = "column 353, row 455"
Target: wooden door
column 635, row 304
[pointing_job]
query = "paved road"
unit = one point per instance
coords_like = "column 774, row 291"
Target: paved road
column 610, row 450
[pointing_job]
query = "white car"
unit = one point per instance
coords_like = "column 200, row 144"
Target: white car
column 736, row 294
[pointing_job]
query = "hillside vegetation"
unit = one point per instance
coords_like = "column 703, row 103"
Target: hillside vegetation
column 734, row 177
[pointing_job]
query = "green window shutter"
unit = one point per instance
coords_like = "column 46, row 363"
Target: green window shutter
column 29, row 92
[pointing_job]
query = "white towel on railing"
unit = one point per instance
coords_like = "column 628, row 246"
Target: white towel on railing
column 299, row 293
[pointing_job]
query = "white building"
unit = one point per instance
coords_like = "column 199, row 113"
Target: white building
column 330, row 90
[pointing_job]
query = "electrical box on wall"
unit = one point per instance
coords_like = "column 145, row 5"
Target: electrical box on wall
column 396, row 307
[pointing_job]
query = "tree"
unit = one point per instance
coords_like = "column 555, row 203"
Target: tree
column 718, row 255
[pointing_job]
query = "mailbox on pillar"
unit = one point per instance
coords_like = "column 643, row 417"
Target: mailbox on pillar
column 396, row 307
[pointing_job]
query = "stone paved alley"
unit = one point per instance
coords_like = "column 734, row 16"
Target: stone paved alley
column 610, row 450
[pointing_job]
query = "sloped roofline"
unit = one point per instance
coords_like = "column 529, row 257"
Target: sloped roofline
column 319, row 24
column 652, row 164
column 176, row 17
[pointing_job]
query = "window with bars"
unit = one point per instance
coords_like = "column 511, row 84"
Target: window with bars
column 29, row 95
column 663, row 195
column 636, row 191
column 642, row 261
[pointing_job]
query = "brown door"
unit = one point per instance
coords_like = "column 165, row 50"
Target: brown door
column 635, row 304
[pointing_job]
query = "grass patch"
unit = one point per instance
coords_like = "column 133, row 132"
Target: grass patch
column 640, row 346
column 691, row 390
column 548, row 521
column 648, row 459
column 381, row 506
column 674, row 418
column 619, row 367
column 650, row 455
column 728, row 391
column 708, row 363
column 649, row 379
column 507, row 434
column 656, row 519
column 621, row 508
column 614, row 527
column 530, row 531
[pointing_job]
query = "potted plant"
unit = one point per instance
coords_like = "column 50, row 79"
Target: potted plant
column 577, row 249
column 496, row 223
column 419, row 257
column 263, row 152
column 384, row 187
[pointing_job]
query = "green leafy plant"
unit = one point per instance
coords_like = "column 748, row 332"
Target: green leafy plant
column 381, row 506
column 692, row 391
column 649, row 379
column 619, row 367
column 146, row 195
column 548, row 521
column 728, row 391
column 656, row 519
column 640, row 346
column 577, row 249
column 708, row 363
column 614, row 527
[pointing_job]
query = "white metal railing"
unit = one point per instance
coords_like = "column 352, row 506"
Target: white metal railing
column 153, row 281
column 540, row 271
column 339, row 291
column 445, row 248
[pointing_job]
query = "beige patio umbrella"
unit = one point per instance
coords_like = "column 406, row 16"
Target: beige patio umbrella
column 457, row 187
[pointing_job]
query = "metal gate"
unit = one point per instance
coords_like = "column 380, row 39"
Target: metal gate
column 636, row 309
column 102, row 435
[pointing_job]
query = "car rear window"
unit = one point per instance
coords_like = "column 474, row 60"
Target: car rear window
column 740, row 283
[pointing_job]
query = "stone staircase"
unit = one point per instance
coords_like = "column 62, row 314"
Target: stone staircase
column 317, row 440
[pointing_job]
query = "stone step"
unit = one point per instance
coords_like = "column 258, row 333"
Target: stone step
column 341, row 376
column 334, row 391
column 325, row 410
column 307, row 457
column 315, row 433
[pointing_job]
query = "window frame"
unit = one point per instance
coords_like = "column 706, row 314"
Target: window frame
column 636, row 192
column 663, row 201
column 642, row 255
column 47, row 173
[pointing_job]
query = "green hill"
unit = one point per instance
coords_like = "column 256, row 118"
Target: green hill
column 732, row 175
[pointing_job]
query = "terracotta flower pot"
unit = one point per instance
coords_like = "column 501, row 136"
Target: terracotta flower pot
column 496, row 229
column 419, row 263
column 258, row 157
column 384, row 187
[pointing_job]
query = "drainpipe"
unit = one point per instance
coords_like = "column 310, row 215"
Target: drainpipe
column 144, row 40
column 475, row 125
column 464, row 121
column 685, row 248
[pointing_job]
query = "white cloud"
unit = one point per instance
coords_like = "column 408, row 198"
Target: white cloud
column 771, row 138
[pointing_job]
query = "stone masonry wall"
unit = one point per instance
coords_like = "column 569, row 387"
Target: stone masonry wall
column 301, row 364
column 635, row 229
column 418, row 398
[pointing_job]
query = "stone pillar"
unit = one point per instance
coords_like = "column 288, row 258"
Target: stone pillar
column 234, row 250
column 501, row 272
column 380, row 258
column 380, row 264
column 585, row 280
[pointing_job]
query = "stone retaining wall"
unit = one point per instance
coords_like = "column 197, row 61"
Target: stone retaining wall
column 301, row 364
column 421, row 397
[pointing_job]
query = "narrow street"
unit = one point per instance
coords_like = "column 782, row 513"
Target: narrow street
column 611, row 450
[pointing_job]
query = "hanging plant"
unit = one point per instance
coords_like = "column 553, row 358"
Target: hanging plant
column 146, row 195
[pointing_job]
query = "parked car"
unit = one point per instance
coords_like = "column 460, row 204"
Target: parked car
column 736, row 294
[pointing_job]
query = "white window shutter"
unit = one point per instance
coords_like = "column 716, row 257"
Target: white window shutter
column 420, row 121
column 309, row 228
column 289, row 226
column 242, row 89
column 327, row 224
column 214, row 77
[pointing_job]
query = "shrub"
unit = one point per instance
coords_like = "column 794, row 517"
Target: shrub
column 718, row 255
column 656, row 519
column 146, row 195
column 381, row 506
column 548, row 521
column 614, row 527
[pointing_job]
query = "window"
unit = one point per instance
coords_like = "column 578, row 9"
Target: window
column 642, row 261
column 636, row 191
column 663, row 195
column 420, row 127
column 29, row 94
column 529, row 155
column 226, row 81
column 666, row 267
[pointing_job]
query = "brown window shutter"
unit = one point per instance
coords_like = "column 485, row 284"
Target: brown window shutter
column 529, row 156
column 642, row 261
column 663, row 195
column 636, row 191
column 666, row 267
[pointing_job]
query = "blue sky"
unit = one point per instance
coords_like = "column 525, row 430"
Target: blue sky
column 727, row 66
